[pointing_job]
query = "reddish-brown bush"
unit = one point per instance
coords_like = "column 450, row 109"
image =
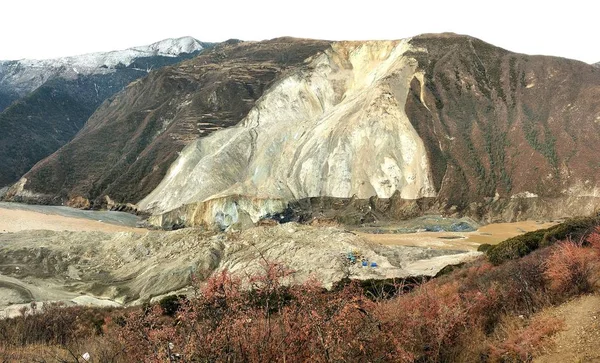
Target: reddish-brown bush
column 517, row 340
column 571, row 268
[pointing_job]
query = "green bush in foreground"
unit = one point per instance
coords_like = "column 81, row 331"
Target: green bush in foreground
column 484, row 247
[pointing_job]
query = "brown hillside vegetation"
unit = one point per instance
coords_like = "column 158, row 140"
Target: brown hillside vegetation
column 511, row 123
column 54, row 103
column 480, row 312
column 466, row 128
column 501, row 136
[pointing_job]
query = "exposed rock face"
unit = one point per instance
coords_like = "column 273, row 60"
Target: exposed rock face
column 488, row 133
column 126, row 147
column 44, row 103
column 336, row 127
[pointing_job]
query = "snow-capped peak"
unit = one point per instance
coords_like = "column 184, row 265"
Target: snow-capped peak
column 172, row 46
column 27, row 74
column 86, row 63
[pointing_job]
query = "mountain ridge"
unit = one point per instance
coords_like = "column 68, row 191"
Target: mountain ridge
column 157, row 116
column 432, row 123
column 24, row 75
column 467, row 100
column 43, row 104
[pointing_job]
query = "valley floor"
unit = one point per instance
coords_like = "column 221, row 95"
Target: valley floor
column 64, row 254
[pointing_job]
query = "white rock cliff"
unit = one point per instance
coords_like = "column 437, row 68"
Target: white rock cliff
column 336, row 127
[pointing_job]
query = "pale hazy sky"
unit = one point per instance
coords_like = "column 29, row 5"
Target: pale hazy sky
column 47, row 28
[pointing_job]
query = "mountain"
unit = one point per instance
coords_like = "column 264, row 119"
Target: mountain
column 451, row 120
column 360, row 131
column 127, row 145
column 45, row 103
column 6, row 98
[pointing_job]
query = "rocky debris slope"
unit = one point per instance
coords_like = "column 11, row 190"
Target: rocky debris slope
column 45, row 103
column 465, row 126
column 133, row 268
column 127, row 145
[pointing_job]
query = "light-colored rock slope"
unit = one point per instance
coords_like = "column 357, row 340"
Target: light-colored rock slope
column 336, row 127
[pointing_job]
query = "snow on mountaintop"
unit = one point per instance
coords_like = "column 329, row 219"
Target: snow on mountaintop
column 23, row 76
column 172, row 47
column 86, row 63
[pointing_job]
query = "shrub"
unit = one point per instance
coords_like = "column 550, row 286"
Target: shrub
column 171, row 304
column 518, row 340
column 484, row 247
column 478, row 312
column 515, row 247
column 574, row 228
column 571, row 268
column 51, row 324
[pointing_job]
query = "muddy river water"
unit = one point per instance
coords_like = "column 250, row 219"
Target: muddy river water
column 16, row 217
column 491, row 233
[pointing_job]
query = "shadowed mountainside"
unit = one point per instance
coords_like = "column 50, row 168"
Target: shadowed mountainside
column 6, row 98
column 40, row 123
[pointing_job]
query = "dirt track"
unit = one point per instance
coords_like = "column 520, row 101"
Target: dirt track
column 578, row 342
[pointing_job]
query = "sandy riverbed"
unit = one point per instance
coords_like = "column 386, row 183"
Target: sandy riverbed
column 15, row 220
